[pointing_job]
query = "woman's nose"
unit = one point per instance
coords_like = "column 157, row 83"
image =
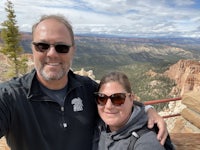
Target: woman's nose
column 109, row 104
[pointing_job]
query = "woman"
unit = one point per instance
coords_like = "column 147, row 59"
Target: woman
column 120, row 118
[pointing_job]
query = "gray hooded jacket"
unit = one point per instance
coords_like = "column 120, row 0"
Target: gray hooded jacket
column 120, row 140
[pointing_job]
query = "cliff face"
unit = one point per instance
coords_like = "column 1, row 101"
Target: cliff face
column 186, row 74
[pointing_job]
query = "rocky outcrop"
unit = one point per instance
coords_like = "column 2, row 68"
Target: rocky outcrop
column 89, row 73
column 186, row 74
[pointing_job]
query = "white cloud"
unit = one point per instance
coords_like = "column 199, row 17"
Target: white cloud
column 184, row 2
column 138, row 17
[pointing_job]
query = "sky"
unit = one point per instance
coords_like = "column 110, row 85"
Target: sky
column 135, row 18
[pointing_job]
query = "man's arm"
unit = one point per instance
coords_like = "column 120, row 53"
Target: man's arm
column 155, row 118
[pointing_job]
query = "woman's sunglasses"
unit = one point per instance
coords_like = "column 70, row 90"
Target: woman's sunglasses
column 43, row 47
column 117, row 99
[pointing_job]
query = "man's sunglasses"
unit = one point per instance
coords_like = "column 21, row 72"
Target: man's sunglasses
column 43, row 47
column 117, row 99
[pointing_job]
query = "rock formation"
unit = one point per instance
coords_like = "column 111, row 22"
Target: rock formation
column 186, row 74
column 89, row 73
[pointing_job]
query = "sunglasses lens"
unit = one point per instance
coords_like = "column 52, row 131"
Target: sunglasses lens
column 118, row 98
column 61, row 48
column 42, row 47
column 101, row 99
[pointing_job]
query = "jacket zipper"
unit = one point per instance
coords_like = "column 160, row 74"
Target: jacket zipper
column 64, row 123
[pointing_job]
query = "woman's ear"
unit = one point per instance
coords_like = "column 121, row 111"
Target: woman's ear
column 132, row 96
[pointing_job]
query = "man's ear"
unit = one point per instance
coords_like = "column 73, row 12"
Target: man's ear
column 74, row 48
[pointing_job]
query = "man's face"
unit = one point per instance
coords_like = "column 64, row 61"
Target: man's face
column 50, row 64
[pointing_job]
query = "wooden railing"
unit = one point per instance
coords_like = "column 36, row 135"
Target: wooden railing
column 182, row 141
column 154, row 102
column 151, row 102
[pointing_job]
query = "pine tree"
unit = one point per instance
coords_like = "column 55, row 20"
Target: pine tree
column 11, row 42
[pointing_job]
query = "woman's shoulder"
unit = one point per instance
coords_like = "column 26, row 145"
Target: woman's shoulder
column 148, row 141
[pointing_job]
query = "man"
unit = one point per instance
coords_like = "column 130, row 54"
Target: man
column 51, row 108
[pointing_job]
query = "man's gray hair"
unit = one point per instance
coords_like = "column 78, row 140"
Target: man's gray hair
column 59, row 18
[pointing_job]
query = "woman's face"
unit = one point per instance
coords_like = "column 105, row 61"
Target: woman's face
column 115, row 116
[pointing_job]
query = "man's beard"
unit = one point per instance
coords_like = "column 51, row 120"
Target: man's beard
column 48, row 75
column 54, row 76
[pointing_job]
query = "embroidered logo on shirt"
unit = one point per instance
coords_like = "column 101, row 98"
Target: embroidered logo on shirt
column 77, row 104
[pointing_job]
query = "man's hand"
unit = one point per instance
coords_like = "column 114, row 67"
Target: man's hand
column 155, row 118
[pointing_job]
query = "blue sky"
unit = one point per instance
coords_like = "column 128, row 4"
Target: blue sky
column 142, row 18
